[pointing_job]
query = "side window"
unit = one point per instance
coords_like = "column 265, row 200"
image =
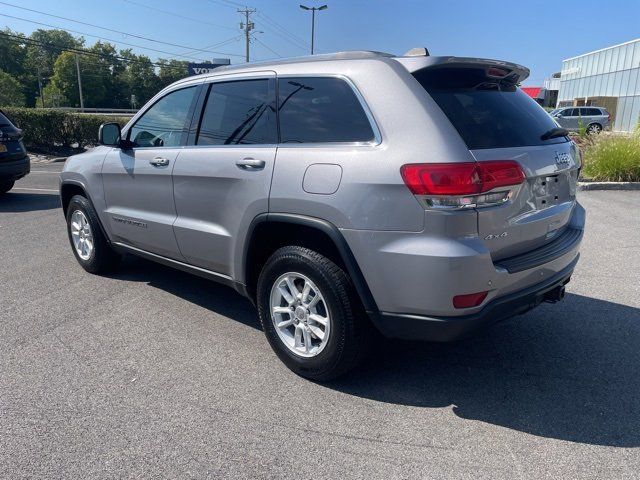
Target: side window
column 594, row 112
column 238, row 112
column 318, row 110
column 164, row 124
column 570, row 112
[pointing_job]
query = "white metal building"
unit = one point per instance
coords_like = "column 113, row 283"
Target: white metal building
column 607, row 78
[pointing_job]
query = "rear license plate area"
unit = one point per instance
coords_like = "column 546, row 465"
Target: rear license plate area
column 550, row 190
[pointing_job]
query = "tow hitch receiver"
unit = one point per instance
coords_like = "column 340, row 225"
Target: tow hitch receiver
column 555, row 295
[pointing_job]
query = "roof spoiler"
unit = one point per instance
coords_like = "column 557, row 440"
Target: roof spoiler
column 517, row 72
column 417, row 52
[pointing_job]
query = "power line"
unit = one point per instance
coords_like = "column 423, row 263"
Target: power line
column 267, row 47
column 224, row 42
column 173, row 14
column 118, row 31
column 96, row 36
column 284, row 32
column 228, row 3
column 52, row 46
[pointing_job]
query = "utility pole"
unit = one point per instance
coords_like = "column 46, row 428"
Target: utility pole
column 247, row 26
column 79, row 84
column 313, row 20
column 40, row 87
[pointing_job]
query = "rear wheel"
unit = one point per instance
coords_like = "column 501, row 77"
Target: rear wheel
column 311, row 314
column 89, row 245
column 594, row 128
column 6, row 186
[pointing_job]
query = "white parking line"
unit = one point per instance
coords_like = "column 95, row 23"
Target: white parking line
column 36, row 189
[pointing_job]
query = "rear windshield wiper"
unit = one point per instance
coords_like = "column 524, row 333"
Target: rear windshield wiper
column 554, row 133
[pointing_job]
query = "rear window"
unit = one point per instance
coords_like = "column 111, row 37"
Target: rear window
column 487, row 112
column 320, row 110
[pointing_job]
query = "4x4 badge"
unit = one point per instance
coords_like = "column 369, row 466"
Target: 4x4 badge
column 493, row 236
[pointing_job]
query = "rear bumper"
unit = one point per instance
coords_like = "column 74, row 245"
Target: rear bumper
column 15, row 169
column 445, row 329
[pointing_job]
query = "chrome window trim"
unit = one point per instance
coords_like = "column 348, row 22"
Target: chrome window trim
column 266, row 75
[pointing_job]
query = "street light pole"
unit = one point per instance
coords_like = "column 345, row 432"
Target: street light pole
column 313, row 21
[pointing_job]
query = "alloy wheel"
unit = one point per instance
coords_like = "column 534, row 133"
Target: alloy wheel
column 300, row 314
column 81, row 235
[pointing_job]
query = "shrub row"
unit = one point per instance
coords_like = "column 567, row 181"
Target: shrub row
column 50, row 130
column 612, row 158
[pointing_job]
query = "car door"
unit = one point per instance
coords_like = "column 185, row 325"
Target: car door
column 138, row 186
column 222, row 178
column 565, row 119
column 584, row 116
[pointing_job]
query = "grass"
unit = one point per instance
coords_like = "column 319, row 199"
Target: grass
column 612, row 158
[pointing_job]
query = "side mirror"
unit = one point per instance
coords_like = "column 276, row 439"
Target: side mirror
column 109, row 134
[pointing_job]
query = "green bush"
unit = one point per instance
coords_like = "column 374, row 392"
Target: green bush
column 613, row 158
column 51, row 130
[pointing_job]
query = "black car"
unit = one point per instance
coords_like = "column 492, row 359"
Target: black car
column 14, row 161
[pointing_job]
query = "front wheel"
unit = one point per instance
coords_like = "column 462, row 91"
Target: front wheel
column 89, row 245
column 6, row 186
column 310, row 314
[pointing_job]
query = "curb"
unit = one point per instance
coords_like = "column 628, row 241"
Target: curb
column 608, row 185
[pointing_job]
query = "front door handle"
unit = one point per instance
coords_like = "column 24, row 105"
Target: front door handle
column 251, row 164
column 159, row 162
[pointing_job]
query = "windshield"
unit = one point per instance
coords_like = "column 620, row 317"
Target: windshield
column 487, row 112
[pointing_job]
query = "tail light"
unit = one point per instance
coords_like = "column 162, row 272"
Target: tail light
column 463, row 185
column 609, row 116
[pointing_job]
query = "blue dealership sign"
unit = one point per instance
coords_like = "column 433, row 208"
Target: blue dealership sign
column 199, row 68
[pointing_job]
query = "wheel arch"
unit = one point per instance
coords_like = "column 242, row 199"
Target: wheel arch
column 268, row 232
column 69, row 188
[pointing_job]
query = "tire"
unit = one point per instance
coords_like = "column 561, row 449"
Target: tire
column 6, row 186
column 594, row 128
column 349, row 331
column 100, row 258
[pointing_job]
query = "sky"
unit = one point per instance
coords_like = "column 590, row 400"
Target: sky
column 536, row 33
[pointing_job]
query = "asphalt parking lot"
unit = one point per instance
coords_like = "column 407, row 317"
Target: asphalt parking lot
column 154, row 373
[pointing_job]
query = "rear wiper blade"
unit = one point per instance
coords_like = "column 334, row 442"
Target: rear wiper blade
column 554, row 133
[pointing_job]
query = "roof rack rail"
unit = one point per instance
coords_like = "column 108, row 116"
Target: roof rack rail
column 417, row 52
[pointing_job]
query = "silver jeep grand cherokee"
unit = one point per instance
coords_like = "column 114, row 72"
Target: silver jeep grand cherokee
column 419, row 196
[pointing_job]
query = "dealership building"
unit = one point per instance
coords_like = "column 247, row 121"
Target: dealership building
column 607, row 78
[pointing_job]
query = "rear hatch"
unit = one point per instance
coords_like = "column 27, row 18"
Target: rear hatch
column 11, row 146
column 499, row 122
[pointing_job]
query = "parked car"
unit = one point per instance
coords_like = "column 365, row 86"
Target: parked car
column 420, row 196
column 14, row 161
column 594, row 119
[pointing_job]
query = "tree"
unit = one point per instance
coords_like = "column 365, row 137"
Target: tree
column 12, row 53
column 10, row 91
column 139, row 77
column 171, row 71
column 65, row 80
column 42, row 54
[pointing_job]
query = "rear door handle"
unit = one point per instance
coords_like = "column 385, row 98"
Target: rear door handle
column 159, row 162
column 251, row 164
